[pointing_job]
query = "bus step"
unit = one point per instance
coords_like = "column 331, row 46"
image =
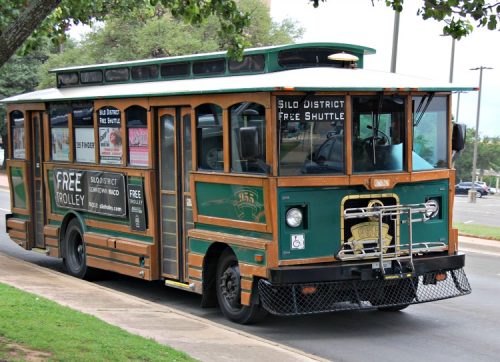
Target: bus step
column 41, row 251
column 179, row 285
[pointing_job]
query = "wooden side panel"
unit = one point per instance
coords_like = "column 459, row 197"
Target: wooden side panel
column 118, row 267
column 120, row 255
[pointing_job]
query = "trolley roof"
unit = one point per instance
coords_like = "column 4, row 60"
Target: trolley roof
column 288, row 67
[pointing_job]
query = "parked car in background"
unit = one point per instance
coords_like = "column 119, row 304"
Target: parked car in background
column 463, row 188
column 483, row 185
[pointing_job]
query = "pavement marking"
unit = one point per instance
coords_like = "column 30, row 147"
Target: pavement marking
column 468, row 221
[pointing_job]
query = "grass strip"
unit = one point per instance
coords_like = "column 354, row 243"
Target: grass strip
column 68, row 335
column 479, row 231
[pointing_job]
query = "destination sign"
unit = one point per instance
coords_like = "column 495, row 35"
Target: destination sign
column 309, row 108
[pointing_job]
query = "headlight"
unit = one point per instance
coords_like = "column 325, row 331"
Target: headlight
column 294, row 217
column 431, row 208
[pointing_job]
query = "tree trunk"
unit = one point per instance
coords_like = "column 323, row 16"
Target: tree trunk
column 15, row 35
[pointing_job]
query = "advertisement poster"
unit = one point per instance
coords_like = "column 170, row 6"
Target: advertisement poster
column 138, row 146
column 110, row 139
column 110, row 145
column 60, row 144
column 92, row 191
column 18, row 143
column 84, row 145
column 136, row 207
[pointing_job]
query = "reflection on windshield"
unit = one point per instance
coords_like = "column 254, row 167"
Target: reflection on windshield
column 378, row 133
column 311, row 134
column 430, row 133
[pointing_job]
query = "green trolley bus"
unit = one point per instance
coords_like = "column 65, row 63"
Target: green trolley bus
column 291, row 182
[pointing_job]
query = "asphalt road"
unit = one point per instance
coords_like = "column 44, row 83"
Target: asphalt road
column 485, row 211
column 459, row 329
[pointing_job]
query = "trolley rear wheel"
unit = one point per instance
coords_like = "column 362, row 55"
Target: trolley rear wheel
column 74, row 257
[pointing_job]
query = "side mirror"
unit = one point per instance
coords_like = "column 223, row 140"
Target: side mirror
column 249, row 143
column 458, row 137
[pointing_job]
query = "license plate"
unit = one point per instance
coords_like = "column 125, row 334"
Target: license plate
column 387, row 264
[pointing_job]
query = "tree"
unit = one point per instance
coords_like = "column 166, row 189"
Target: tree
column 488, row 156
column 19, row 18
column 122, row 39
column 18, row 75
column 456, row 14
column 51, row 18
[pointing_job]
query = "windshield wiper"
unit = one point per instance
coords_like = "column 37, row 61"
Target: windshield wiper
column 422, row 108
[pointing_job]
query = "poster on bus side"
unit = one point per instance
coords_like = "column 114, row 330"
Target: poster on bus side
column 110, row 145
column 92, row 191
column 60, row 144
column 84, row 145
column 138, row 146
column 18, row 143
column 110, row 138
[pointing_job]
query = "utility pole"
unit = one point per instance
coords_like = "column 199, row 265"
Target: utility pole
column 472, row 191
column 395, row 36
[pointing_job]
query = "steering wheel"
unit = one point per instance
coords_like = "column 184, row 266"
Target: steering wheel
column 381, row 139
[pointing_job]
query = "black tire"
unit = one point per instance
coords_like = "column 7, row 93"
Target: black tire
column 74, row 250
column 228, row 290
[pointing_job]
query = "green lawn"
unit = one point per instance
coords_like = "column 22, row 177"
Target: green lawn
column 480, row 231
column 34, row 323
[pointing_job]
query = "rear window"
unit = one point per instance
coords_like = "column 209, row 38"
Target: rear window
column 67, row 79
column 217, row 66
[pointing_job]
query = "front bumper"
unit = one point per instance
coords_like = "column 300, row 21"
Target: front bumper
column 347, row 286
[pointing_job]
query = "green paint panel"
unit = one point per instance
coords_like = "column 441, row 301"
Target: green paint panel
column 236, row 202
column 321, row 229
column 17, row 177
column 239, row 232
column 244, row 255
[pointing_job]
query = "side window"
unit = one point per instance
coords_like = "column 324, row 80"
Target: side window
column 17, row 135
column 248, row 138
column 59, row 131
column 209, row 137
column 83, row 124
column 110, row 138
column 137, row 132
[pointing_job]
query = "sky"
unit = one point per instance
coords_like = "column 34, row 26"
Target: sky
column 422, row 51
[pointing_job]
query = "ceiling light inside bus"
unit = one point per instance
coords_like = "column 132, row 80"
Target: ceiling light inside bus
column 294, row 217
column 431, row 208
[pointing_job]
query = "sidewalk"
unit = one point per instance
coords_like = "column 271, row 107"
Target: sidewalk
column 200, row 338
column 4, row 182
column 476, row 245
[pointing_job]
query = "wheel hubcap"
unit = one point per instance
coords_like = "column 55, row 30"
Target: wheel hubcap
column 230, row 286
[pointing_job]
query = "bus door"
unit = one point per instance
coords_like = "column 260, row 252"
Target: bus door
column 176, row 216
column 36, row 182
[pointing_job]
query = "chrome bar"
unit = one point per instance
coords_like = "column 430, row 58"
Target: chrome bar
column 412, row 212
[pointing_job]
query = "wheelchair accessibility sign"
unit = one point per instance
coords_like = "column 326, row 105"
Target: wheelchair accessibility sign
column 298, row 242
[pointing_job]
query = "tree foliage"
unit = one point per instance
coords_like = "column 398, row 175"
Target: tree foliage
column 488, row 156
column 19, row 19
column 459, row 16
column 160, row 34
